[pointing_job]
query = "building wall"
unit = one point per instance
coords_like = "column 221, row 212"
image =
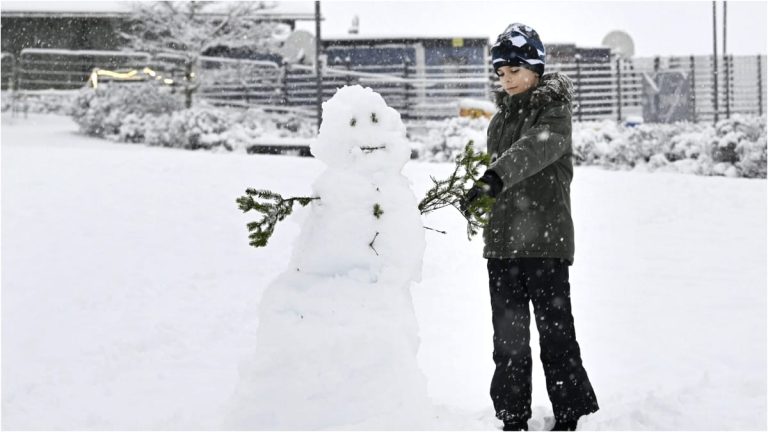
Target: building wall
column 368, row 55
column 76, row 33
column 436, row 52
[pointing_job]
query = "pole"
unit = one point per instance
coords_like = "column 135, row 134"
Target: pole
column 318, row 66
column 727, row 65
column 285, row 98
column 693, row 89
column 406, row 88
column 578, row 84
column 760, row 84
column 618, row 86
column 714, row 56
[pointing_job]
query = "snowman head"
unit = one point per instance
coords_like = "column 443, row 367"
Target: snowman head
column 360, row 132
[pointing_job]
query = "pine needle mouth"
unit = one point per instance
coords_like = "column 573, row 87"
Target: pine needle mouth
column 367, row 149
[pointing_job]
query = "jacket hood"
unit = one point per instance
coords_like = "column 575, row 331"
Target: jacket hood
column 553, row 87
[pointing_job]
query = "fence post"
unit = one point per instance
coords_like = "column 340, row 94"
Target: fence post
column 693, row 89
column 618, row 87
column 348, row 66
column 318, row 66
column 728, row 60
column 578, row 84
column 285, row 97
column 760, row 84
column 406, row 88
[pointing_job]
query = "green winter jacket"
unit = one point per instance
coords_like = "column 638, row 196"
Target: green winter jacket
column 529, row 140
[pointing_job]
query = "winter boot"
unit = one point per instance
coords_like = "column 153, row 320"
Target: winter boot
column 565, row 425
column 515, row 425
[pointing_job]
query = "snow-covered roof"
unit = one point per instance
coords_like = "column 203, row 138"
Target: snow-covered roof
column 298, row 10
column 351, row 37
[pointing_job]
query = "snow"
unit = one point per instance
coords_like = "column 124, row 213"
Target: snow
column 68, row 52
column 130, row 293
column 303, row 8
column 401, row 36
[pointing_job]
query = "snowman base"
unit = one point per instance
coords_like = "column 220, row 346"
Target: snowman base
column 333, row 353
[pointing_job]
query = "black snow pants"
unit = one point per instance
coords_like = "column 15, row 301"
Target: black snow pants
column 543, row 281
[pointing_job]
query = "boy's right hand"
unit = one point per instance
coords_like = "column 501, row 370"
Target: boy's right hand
column 489, row 184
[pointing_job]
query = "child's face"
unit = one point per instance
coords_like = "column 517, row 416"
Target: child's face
column 515, row 80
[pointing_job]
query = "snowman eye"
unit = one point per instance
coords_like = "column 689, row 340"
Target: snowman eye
column 353, row 122
column 374, row 119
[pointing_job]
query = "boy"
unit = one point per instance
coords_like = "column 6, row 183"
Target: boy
column 529, row 238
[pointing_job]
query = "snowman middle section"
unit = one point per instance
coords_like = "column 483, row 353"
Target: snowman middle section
column 365, row 226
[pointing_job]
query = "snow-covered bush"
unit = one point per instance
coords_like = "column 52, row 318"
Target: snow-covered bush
column 744, row 139
column 102, row 111
column 38, row 101
column 445, row 139
column 151, row 114
column 735, row 147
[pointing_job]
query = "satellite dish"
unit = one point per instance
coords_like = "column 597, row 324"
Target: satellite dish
column 620, row 43
column 299, row 47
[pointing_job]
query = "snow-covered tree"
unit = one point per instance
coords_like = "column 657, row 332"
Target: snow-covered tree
column 187, row 29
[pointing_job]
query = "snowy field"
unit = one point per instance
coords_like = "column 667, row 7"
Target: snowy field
column 129, row 290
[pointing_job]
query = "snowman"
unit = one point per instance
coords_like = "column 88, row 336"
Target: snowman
column 337, row 336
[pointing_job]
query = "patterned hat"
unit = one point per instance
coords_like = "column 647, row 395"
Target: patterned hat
column 519, row 45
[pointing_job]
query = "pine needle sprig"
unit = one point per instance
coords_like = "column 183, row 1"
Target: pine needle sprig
column 451, row 191
column 273, row 207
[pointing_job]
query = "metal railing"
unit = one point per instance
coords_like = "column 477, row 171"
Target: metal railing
column 608, row 90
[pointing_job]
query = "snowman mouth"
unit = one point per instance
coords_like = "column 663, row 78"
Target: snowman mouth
column 372, row 149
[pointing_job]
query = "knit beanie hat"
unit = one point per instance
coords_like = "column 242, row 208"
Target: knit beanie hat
column 519, row 45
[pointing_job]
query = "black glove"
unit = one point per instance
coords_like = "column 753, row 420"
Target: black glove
column 489, row 184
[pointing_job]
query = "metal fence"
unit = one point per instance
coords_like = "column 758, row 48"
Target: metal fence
column 608, row 90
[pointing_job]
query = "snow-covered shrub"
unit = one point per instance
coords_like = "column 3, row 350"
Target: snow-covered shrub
column 156, row 131
column 5, row 101
column 735, row 147
column 39, row 101
column 202, row 128
column 147, row 113
column 445, row 139
column 130, row 128
column 255, row 124
column 102, row 111
column 742, row 142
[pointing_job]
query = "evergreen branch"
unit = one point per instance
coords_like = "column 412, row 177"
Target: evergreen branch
column 273, row 207
column 451, row 191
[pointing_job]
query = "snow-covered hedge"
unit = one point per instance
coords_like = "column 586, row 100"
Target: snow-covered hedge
column 735, row 147
column 443, row 140
column 111, row 110
column 151, row 114
column 146, row 113
column 38, row 101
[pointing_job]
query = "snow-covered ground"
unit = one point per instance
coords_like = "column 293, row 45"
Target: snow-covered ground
column 129, row 290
